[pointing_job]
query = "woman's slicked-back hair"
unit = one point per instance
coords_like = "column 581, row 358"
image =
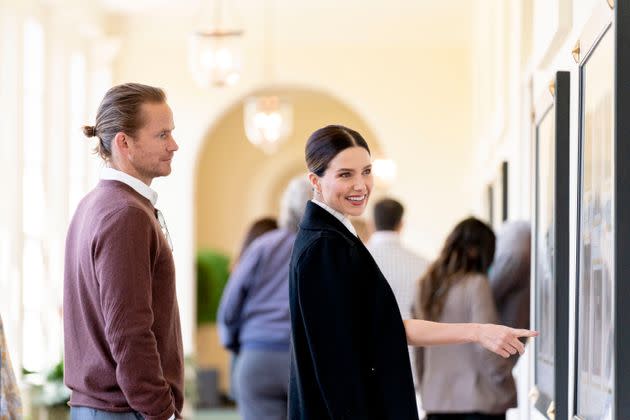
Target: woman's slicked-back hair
column 120, row 111
column 324, row 144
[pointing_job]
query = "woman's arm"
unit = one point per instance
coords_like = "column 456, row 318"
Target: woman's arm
column 496, row 338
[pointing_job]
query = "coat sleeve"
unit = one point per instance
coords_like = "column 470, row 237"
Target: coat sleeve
column 124, row 254
column 418, row 352
column 326, row 299
column 233, row 299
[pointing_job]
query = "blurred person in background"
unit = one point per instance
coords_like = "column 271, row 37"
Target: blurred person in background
column 257, row 228
column 254, row 313
column 510, row 274
column 401, row 267
column 462, row 382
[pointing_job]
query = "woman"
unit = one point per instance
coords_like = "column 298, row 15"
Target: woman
column 462, row 382
column 258, row 228
column 349, row 356
column 254, row 313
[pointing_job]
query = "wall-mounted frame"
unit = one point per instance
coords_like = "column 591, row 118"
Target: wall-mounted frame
column 504, row 191
column 489, row 204
column 601, row 383
column 496, row 198
column 551, row 249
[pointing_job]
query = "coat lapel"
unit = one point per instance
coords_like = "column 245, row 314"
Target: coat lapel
column 317, row 218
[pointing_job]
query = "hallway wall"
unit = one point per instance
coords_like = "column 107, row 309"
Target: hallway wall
column 414, row 93
column 531, row 40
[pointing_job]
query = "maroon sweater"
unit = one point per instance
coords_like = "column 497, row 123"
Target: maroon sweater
column 122, row 338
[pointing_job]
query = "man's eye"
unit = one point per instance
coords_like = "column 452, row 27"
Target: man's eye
column 367, row 172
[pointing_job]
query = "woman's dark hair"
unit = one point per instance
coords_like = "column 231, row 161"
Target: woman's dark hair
column 258, row 228
column 468, row 249
column 120, row 111
column 324, row 144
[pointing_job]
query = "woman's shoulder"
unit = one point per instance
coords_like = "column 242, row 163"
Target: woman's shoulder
column 313, row 243
column 474, row 281
column 474, row 285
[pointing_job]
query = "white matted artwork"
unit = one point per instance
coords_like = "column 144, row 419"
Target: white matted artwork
column 596, row 240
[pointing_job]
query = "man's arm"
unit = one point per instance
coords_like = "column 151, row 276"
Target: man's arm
column 124, row 251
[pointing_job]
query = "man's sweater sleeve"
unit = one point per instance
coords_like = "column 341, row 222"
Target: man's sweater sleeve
column 124, row 253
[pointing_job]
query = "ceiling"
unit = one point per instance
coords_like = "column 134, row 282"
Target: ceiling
column 354, row 21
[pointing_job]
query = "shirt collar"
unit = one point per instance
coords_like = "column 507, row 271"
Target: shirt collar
column 111, row 174
column 343, row 219
column 384, row 236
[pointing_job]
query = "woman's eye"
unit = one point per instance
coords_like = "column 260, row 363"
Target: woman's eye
column 345, row 174
column 367, row 172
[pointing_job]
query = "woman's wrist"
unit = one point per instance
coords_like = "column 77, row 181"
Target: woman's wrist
column 474, row 335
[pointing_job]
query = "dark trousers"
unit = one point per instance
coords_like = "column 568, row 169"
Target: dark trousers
column 465, row 416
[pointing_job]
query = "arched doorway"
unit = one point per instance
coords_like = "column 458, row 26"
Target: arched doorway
column 237, row 183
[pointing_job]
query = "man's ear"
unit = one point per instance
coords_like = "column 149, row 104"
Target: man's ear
column 314, row 179
column 121, row 142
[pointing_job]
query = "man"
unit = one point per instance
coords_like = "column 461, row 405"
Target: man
column 400, row 266
column 122, row 335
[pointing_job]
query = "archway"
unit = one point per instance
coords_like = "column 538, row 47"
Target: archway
column 237, row 183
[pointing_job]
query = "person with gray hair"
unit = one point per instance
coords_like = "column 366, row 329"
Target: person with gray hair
column 297, row 193
column 510, row 273
column 254, row 312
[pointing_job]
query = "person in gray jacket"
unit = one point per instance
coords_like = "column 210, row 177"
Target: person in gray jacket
column 463, row 382
column 510, row 273
column 254, row 313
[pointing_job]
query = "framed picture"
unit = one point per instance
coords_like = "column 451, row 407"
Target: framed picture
column 496, row 200
column 551, row 249
column 489, row 200
column 603, row 232
column 504, row 191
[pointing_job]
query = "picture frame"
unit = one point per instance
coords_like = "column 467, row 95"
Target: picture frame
column 551, row 136
column 496, row 199
column 489, row 204
column 603, row 223
column 504, row 191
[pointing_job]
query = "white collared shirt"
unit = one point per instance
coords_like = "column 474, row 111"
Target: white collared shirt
column 140, row 187
column 401, row 267
column 338, row 215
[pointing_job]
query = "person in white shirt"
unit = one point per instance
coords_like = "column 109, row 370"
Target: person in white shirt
column 401, row 267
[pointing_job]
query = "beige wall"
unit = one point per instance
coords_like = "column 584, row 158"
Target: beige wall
column 536, row 42
column 237, row 183
column 414, row 92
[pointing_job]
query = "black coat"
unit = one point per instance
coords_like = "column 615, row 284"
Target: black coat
column 349, row 356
